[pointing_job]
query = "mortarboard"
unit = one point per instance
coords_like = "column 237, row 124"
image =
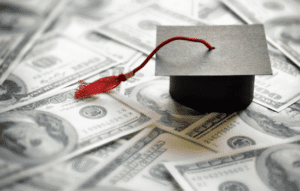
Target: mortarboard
column 203, row 78
column 218, row 80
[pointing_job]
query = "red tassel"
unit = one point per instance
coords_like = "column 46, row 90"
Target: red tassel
column 100, row 86
column 108, row 83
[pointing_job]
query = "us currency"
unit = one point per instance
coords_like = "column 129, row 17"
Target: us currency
column 274, row 168
column 281, row 21
column 21, row 24
column 66, row 174
column 53, row 129
column 255, row 126
column 139, row 165
column 138, row 28
column 53, row 63
column 214, row 12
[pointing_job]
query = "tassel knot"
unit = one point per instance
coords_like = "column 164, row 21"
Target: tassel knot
column 122, row 78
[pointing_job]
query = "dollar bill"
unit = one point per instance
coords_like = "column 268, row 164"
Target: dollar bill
column 56, row 128
column 66, row 174
column 54, row 63
column 255, row 126
column 139, row 165
column 281, row 21
column 21, row 25
column 215, row 13
column 138, row 28
column 274, row 168
column 280, row 90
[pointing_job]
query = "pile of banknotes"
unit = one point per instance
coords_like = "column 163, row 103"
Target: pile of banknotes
column 136, row 137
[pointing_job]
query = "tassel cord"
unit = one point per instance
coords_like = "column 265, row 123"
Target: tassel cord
column 108, row 83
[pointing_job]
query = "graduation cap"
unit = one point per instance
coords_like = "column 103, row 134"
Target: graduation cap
column 207, row 79
column 218, row 80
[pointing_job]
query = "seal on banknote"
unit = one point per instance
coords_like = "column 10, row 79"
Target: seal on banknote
column 160, row 172
column 283, row 124
column 233, row 186
column 83, row 164
column 278, row 167
column 93, row 112
column 34, row 136
column 240, row 142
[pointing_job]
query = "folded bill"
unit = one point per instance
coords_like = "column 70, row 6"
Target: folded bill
column 53, row 63
column 56, row 128
column 139, row 165
column 281, row 20
column 272, row 168
column 21, row 24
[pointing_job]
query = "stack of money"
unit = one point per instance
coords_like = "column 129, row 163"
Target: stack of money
column 137, row 137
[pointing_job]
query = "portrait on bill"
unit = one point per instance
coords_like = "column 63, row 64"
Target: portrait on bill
column 31, row 137
column 279, row 167
column 155, row 95
column 11, row 90
column 282, row 124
